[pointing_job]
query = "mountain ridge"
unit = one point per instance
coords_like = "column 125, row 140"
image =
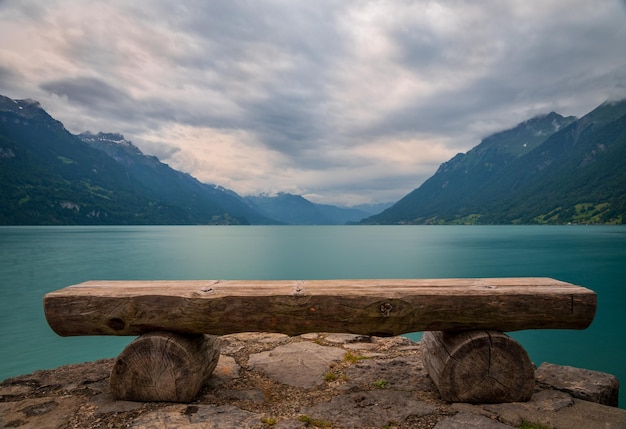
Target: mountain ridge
column 49, row 176
column 293, row 209
column 547, row 169
column 541, row 183
column 53, row 177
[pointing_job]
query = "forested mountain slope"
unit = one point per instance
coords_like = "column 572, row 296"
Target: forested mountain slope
column 49, row 176
column 549, row 169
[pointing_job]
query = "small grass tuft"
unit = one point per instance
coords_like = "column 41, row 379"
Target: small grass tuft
column 330, row 376
column 529, row 425
column 309, row 421
column 352, row 358
column 381, row 383
column 270, row 421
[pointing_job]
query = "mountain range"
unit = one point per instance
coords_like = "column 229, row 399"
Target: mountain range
column 49, row 176
column 549, row 169
column 296, row 210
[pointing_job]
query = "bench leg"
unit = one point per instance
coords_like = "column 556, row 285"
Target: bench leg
column 478, row 366
column 164, row 366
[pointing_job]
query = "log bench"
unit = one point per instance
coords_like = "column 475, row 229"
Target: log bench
column 464, row 347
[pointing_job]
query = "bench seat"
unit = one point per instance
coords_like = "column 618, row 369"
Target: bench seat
column 367, row 306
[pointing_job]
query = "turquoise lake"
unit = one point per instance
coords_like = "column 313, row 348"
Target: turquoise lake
column 37, row 260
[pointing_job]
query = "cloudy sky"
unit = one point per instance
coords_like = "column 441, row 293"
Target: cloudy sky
column 341, row 101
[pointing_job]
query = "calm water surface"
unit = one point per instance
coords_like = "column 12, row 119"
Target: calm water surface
column 36, row 260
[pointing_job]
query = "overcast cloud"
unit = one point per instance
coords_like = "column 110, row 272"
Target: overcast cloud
column 341, row 101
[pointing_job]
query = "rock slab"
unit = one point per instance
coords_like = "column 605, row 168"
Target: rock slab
column 593, row 386
column 369, row 409
column 300, row 364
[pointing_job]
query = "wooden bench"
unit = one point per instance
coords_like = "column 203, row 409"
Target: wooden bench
column 464, row 348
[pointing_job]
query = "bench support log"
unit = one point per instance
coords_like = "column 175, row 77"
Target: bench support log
column 164, row 366
column 478, row 366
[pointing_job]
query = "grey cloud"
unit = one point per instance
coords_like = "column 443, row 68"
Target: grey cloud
column 246, row 43
column 160, row 150
column 87, row 91
column 284, row 72
column 288, row 122
column 8, row 78
column 421, row 49
column 21, row 9
column 107, row 101
column 382, row 189
column 236, row 28
column 541, row 63
column 269, row 59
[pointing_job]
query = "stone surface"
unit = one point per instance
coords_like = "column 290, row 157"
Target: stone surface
column 369, row 409
column 256, row 395
column 346, row 338
column 15, row 390
column 382, row 384
column 360, row 346
column 198, row 417
column 470, row 421
column 404, row 373
column 300, row 364
column 558, row 410
column 226, row 370
column 40, row 413
column 593, row 386
column 105, row 404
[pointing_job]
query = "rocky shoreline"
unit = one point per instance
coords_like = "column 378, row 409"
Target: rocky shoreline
column 314, row 380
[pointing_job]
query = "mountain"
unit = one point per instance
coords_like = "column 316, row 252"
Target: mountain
column 163, row 182
column 549, row 169
column 296, row 210
column 50, row 176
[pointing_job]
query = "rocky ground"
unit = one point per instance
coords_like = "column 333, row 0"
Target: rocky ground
column 314, row 380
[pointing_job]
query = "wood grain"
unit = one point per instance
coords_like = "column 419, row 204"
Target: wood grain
column 369, row 307
column 478, row 366
column 164, row 366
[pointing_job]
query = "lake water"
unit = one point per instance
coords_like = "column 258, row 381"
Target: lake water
column 36, row 260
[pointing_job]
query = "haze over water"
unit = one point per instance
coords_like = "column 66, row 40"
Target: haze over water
column 36, row 260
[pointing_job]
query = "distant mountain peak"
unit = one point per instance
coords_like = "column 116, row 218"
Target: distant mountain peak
column 113, row 140
column 293, row 209
column 29, row 102
column 9, row 104
column 102, row 136
column 28, row 109
column 541, row 123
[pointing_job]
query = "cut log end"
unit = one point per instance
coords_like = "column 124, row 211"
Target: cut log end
column 164, row 366
column 478, row 366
